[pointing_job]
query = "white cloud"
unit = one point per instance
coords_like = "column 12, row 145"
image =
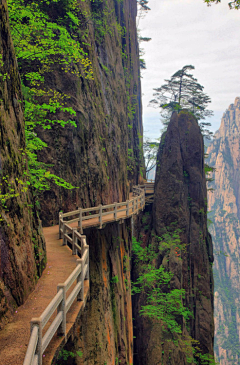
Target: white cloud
column 189, row 32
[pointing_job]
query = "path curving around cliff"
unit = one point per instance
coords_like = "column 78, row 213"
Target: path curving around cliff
column 14, row 338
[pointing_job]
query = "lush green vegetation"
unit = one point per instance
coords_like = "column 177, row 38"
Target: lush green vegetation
column 45, row 35
column 162, row 302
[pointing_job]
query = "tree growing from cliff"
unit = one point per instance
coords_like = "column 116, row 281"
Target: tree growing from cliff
column 150, row 149
column 232, row 4
column 182, row 91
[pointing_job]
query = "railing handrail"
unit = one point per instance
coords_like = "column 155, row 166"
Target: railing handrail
column 132, row 207
column 38, row 343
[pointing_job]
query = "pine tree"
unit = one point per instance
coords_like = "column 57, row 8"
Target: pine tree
column 182, row 91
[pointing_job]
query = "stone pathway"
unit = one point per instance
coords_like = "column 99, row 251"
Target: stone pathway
column 15, row 336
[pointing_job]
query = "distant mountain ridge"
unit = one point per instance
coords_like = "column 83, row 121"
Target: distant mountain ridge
column 224, row 207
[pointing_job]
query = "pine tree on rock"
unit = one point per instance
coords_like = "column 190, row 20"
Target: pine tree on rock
column 182, row 91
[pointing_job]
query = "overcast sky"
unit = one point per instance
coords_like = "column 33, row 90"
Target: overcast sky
column 188, row 32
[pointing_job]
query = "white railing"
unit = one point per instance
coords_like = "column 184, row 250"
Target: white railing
column 130, row 207
column 60, row 303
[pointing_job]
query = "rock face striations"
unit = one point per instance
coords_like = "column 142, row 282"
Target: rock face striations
column 224, row 206
column 105, row 334
column 102, row 155
column 22, row 254
column 179, row 208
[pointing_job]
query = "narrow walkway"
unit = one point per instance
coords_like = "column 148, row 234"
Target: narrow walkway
column 14, row 338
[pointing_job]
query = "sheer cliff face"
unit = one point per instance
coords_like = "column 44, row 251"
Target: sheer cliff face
column 102, row 155
column 22, row 245
column 180, row 204
column 105, row 334
column 224, row 207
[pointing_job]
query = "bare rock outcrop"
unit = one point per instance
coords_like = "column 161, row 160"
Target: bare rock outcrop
column 224, row 207
column 22, row 254
column 180, row 205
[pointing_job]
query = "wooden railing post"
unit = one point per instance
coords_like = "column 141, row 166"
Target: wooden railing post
column 83, row 238
column 80, row 220
column 115, row 211
column 127, row 208
column 80, row 295
column 62, row 330
column 64, row 232
column 87, row 273
column 37, row 322
column 100, row 215
column 60, row 218
column 74, row 238
column 79, row 262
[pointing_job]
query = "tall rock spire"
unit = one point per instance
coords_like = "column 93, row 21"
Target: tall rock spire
column 180, row 205
column 224, row 206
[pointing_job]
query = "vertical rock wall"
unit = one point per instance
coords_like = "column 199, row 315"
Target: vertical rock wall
column 224, row 206
column 22, row 252
column 105, row 334
column 103, row 154
column 180, row 203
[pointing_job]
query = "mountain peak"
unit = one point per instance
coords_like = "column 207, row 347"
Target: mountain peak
column 237, row 101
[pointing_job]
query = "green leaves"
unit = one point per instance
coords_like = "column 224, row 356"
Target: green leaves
column 162, row 302
column 232, row 4
column 182, row 91
column 43, row 36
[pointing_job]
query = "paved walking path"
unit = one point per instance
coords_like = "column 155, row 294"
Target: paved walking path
column 14, row 338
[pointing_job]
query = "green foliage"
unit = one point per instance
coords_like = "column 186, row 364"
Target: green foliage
column 150, row 150
column 64, row 355
column 203, row 359
column 43, row 36
column 8, row 191
column 183, row 92
column 208, row 171
column 162, row 302
column 115, row 279
column 232, row 4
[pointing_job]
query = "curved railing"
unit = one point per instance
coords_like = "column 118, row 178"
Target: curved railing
column 60, row 303
column 112, row 212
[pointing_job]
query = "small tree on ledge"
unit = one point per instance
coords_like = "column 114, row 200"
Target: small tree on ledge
column 183, row 91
